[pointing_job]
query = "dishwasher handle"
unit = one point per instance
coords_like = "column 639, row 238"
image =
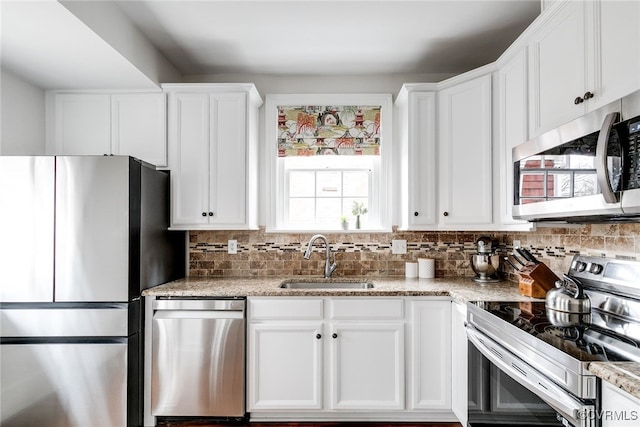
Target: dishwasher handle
column 200, row 304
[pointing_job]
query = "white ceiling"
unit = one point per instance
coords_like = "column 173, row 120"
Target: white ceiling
column 331, row 37
column 47, row 44
column 44, row 43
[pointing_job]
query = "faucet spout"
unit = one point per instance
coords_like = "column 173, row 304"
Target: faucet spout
column 329, row 266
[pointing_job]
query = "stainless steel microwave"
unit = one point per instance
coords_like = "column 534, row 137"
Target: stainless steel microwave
column 587, row 170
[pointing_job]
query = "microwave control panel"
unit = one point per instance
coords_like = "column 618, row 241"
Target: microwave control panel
column 633, row 177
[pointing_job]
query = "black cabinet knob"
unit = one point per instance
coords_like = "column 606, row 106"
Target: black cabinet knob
column 578, row 100
column 210, row 213
column 318, row 336
column 445, row 213
column 416, row 214
column 334, row 336
column 588, row 95
column 204, row 214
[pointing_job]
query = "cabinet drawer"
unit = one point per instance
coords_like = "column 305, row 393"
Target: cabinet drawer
column 285, row 308
column 366, row 308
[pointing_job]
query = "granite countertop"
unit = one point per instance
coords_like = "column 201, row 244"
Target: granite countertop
column 624, row 375
column 459, row 289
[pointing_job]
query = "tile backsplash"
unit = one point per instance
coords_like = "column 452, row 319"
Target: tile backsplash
column 369, row 254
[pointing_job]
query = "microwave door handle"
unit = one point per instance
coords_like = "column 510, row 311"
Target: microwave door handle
column 602, row 148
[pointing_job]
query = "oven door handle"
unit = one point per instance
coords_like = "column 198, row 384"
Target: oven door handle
column 602, row 147
column 573, row 410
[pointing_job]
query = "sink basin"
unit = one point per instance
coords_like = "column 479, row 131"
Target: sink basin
column 325, row 285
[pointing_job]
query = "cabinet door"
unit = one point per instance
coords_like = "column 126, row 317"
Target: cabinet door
column 512, row 81
column 82, row 124
column 138, row 127
column 465, row 154
column 557, row 62
column 431, row 355
column 613, row 47
column 367, row 366
column 619, row 409
column 189, row 158
column 285, row 366
column 421, row 161
column 228, row 179
column 459, row 373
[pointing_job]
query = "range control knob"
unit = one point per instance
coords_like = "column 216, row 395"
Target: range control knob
column 594, row 268
column 578, row 266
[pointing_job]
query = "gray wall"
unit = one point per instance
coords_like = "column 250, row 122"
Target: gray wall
column 22, row 123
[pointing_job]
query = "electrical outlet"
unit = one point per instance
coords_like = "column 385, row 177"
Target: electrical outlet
column 232, row 246
column 516, row 244
column 398, row 247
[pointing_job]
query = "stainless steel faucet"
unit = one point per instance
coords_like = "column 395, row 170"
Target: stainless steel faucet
column 329, row 267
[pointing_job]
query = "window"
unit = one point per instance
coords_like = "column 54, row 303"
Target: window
column 314, row 192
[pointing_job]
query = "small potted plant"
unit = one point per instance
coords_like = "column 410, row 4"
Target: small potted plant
column 344, row 222
column 357, row 210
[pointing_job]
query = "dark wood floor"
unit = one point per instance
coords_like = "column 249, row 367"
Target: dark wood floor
column 209, row 423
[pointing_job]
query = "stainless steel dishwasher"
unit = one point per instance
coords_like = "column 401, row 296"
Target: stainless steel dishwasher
column 198, row 358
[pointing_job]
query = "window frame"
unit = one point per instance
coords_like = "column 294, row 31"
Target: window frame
column 285, row 208
column 275, row 175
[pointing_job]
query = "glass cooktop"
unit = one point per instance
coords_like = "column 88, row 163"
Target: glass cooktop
column 588, row 337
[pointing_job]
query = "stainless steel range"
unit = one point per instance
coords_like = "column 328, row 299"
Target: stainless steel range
column 547, row 347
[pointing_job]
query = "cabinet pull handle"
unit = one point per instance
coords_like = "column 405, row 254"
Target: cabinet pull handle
column 204, row 214
column 318, row 336
column 588, row 95
column 210, row 213
column 416, row 214
column 445, row 213
column 334, row 336
column 578, row 100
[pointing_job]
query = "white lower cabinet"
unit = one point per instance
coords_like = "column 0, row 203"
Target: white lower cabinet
column 430, row 369
column 345, row 358
column 367, row 365
column 619, row 409
column 459, row 359
column 285, row 370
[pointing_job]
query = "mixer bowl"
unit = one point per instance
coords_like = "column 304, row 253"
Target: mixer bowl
column 485, row 265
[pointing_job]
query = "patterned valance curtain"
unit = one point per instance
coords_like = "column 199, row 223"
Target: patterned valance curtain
column 319, row 130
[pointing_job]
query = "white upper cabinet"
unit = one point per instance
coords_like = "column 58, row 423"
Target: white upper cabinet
column 512, row 130
column 82, row 124
column 582, row 54
column 138, row 126
column 416, row 109
column 557, row 61
column 465, row 171
column 131, row 124
column 213, row 156
column 613, row 38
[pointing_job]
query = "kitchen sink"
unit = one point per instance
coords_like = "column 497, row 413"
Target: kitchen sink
column 294, row 284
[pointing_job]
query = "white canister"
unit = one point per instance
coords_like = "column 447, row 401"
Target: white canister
column 411, row 269
column 426, row 268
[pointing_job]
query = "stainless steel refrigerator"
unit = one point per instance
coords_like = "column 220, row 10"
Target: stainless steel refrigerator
column 80, row 238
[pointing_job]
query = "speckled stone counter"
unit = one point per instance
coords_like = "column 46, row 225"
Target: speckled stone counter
column 459, row 289
column 624, row 375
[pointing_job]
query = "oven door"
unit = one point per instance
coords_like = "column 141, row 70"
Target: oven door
column 572, row 410
column 571, row 172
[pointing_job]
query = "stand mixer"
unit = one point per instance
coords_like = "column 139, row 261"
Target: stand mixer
column 485, row 263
